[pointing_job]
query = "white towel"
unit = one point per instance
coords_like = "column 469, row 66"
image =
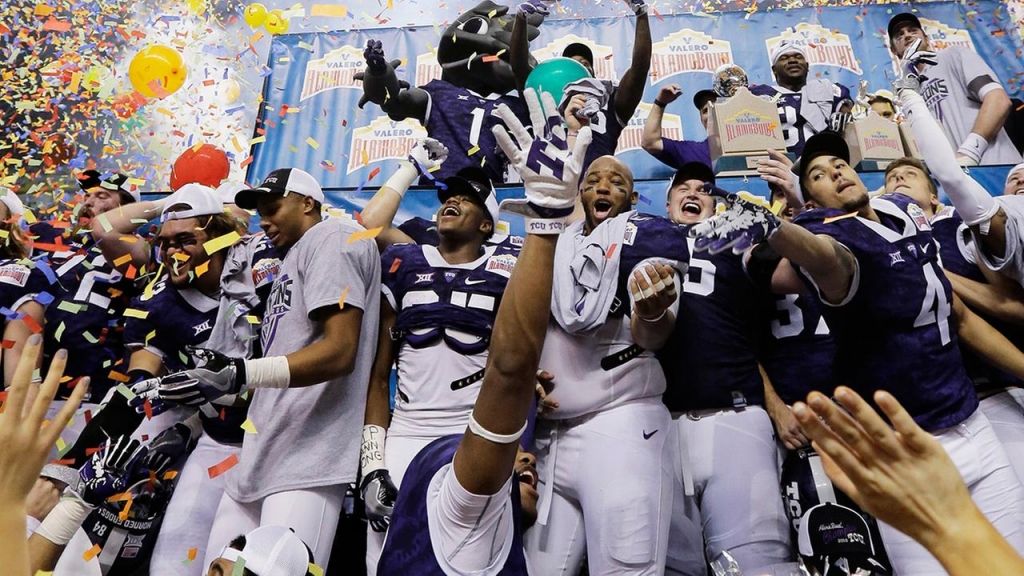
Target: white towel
column 586, row 276
column 816, row 100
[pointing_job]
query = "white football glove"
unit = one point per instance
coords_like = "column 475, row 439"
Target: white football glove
column 427, row 154
column 909, row 78
column 550, row 171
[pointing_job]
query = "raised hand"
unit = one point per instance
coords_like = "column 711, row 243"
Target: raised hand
column 215, row 375
column 25, row 443
column 541, row 7
column 913, row 57
column 111, row 470
column 380, row 82
column 427, row 154
column 549, row 169
column 639, row 7
column 745, row 222
column 669, row 94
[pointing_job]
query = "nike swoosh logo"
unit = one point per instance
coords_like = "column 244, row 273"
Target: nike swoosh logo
column 471, row 282
column 648, row 436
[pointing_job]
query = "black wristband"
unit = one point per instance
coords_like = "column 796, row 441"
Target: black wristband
column 659, row 104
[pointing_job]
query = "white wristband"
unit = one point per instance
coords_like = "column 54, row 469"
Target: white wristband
column 974, row 146
column 486, row 434
column 64, row 520
column 269, row 372
column 31, row 525
column 545, row 225
column 371, row 452
column 402, row 179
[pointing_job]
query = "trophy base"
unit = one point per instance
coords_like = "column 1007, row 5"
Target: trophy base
column 740, row 164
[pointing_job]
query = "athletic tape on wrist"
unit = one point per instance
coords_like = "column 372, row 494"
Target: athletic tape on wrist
column 64, row 520
column 271, row 372
column 371, row 451
column 402, row 179
column 486, row 434
column 545, row 225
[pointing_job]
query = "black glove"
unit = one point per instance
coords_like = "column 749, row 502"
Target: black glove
column 167, row 448
column 379, row 495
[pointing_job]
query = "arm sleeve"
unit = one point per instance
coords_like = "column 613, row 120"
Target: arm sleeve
column 474, row 532
column 974, row 204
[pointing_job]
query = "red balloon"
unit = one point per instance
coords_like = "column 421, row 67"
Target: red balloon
column 205, row 164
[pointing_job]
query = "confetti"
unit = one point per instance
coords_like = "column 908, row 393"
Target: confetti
column 91, row 552
column 364, row 234
column 227, row 464
column 221, row 242
column 341, row 301
column 248, row 426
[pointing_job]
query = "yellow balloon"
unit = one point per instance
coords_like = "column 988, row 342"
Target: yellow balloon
column 160, row 64
column 276, row 23
column 255, row 15
column 229, row 90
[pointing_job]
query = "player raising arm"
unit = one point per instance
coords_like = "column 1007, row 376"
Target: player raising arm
column 847, row 250
column 461, row 509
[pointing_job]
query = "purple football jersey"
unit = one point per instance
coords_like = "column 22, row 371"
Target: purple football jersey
column 895, row 331
column 710, row 360
column 408, row 548
column 462, row 120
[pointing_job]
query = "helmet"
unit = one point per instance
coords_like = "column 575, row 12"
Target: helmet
column 835, row 536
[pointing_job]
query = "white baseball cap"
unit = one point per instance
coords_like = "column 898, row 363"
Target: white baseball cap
column 787, row 47
column 13, row 203
column 282, row 181
column 227, row 191
column 272, row 551
column 201, row 201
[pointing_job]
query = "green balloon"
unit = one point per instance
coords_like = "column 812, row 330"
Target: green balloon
column 552, row 75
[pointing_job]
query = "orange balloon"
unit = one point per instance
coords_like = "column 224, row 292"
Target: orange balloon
column 204, row 164
column 160, row 64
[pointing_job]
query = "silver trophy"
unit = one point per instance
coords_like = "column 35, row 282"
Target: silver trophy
column 728, row 78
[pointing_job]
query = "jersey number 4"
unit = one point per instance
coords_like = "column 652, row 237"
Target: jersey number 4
column 935, row 308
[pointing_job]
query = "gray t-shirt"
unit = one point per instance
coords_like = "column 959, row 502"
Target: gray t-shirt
column 309, row 437
column 953, row 91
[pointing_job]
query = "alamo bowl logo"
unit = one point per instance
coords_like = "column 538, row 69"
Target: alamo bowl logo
column 427, row 68
column 633, row 133
column 941, row 36
column 383, row 139
column 824, row 47
column 604, row 61
column 334, row 70
column 749, row 123
column 884, row 140
column 688, row 51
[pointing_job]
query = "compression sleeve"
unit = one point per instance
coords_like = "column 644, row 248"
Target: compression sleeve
column 974, row 204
